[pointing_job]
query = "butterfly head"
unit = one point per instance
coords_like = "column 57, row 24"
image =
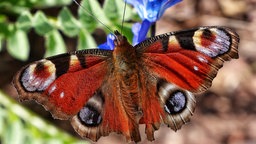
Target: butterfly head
column 120, row 39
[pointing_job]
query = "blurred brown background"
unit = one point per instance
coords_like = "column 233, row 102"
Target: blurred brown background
column 226, row 113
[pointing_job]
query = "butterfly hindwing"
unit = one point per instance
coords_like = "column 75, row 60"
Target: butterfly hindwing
column 165, row 103
column 111, row 113
column 63, row 83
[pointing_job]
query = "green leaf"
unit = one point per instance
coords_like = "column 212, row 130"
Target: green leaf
column 89, row 8
column 127, row 31
column 114, row 10
column 11, row 6
column 18, row 45
column 41, row 24
column 110, row 8
column 18, row 6
column 85, row 40
column 1, row 42
column 5, row 28
column 17, row 132
column 3, row 114
column 3, row 18
column 51, row 3
column 24, row 21
column 54, row 44
column 69, row 24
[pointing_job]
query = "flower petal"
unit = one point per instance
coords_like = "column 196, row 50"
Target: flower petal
column 109, row 44
column 166, row 5
column 151, row 10
column 140, row 31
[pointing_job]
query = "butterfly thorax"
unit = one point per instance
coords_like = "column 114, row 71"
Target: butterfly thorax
column 124, row 55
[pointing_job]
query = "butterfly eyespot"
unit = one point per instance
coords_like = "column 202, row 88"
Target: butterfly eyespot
column 89, row 116
column 179, row 104
column 175, row 103
column 38, row 76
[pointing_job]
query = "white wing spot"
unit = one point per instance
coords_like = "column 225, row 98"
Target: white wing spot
column 52, row 89
column 62, row 94
column 202, row 59
column 196, row 68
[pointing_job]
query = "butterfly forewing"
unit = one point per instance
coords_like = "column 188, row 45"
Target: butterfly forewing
column 190, row 59
column 63, row 83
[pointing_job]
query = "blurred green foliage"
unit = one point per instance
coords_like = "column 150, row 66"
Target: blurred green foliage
column 20, row 126
column 17, row 19
column 51, row 28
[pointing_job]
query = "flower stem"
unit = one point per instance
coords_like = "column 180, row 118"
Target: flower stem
column 153, row 29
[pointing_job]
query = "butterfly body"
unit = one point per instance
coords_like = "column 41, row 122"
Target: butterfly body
column 154, row 82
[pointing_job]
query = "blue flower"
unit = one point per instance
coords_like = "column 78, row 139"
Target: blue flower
column 109, row 45
column 140, row 31
column 151, row 10
column 139, row 34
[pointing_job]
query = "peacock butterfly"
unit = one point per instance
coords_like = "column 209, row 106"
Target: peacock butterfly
column 154, row 82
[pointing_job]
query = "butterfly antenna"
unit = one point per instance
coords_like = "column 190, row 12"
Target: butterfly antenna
column 93, row 16
column 125, row 3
